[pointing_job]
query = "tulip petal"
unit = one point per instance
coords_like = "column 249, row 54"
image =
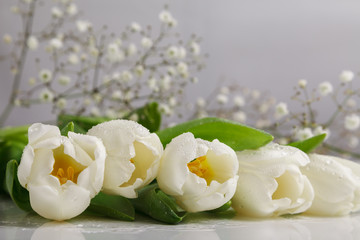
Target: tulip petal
column 271, row 183
column 58, row 205
column 195, row 192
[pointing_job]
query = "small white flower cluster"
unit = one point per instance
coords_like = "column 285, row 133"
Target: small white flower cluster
column 115, row 73
column 242, row 105
column 255, row 108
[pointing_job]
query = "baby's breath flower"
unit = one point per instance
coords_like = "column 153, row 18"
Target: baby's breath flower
column 73, row 59
column 15, row 9
column 83, row 25
column 281, row 110
column 303, row 134
column 262, row 123
column 27, row 1
column 222, row 98
column 172, row 52
column 110, row 113
column 182, row 68
column 194, row 80
column 7, row 39
column 172, row 23
column 46, row 95
column 264, row 107
column 224, row 90
column 56, row 12
column 135, row 27
column 320, row 130
column 95, row 112
column 32, row 81
column 165, row 109
column 353, row 142
column 239, row 101
column 94, row 51
column 56, row 43
column 165, row 82
column 182, row 53
column 255, row 94
column 200, row 102
column 172, row 102
column 352, row 122
column 116, row 95
column 97, row 97
column 45, row 75
column 134, row 117
column 17, row 102
column 325, row 88
column 202, row 114
column 139, row 70
column 195, row 48
column 239, row 116
column 115, row 54
column 72, row 9
column 351, row 103
column 32, row 43
column 302, row 83
column 146, row 42
column 346, row 76
column 165, row 16
column 153, row 84
column 61, row 103
column 87, row 101
column 131, row 50
column 171, row 71
column 64, row 80
column 126, row 76
column 129, row 95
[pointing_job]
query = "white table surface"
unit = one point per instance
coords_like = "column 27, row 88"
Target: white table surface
column 16, row 224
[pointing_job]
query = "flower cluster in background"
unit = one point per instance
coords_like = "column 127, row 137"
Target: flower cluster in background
column 264, row 111
column 100, row 73
column 97, row 72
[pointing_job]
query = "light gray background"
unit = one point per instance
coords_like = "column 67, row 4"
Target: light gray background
column 263, row 44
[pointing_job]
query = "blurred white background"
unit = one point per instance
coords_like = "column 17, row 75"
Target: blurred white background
column 267, row 45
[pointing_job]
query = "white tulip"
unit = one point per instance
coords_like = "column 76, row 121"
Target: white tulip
column 200, row 175
column 133, row 156
column 271, row 183
column 336, row 184
column 61, row 173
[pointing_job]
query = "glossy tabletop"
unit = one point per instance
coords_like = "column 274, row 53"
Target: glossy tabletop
column 16, row 224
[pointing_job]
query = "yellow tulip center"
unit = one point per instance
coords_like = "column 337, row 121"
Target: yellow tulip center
column 201, row 167
column 65, row 167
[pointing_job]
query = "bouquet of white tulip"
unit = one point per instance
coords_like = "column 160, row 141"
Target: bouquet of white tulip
column 116, row 167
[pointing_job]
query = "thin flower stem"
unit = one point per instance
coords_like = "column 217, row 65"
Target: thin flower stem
column 341, row 151
column 20, row 65
column 336, row 113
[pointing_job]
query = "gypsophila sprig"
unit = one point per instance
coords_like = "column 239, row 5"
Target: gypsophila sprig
column 116, row 72
column 263, row 111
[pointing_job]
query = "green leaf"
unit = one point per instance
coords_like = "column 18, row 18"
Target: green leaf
column 235, row 135
column 18, row 194
column 157, row 205
column 82, row 123
column 149, row 116
column 112, row 206
column 309, row 144
column 15, row 134
column 68, row 128
column 8, row 150
column 222, row 209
